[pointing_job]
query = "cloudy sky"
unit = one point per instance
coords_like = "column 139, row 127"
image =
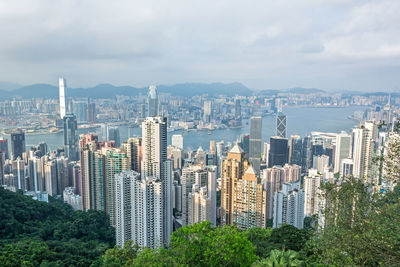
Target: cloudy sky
column 327, row 44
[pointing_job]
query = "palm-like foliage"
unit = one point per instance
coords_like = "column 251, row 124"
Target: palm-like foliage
column 280, row 258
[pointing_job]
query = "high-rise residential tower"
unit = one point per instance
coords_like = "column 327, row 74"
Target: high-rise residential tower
column 62, row 86
column 289, row 206
column 363, row 147
column 152, row 102
column 312, row 183
column 233, row 168
column 139, row 210
column 156, row 165
column 255, row 142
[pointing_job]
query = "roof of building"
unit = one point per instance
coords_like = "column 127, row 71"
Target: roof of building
column 236, row 149
column 250, row 170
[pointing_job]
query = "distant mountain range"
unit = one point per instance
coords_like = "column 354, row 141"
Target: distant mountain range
column 109, row 90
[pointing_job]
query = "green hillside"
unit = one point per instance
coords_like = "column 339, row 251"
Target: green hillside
column 51, row 234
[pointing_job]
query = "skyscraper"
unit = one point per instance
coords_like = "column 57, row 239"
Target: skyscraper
column 4, row 147
column 278, row 151
column 295, row 150
column 177, row 140
column 342, row 151
column 207, row 111
column 116, row 161
column 133, row 149
column 139, row 210
column 70, row 137
column 91, row 112
column 238, row 109
column 249, row 201
column 273, row 178
column 289, row 206
column 255, row 142
column 312, row 183
column 363, row 146
column 347, row 168
column 17, row 143
column 201, row 201
column 307, row 154
column 113, row 135
column 188, row 179
column 62, row 86
column 88, row 145
column 124, row 183
column 152, row 101
column 233, row 168
column 281, row 125
column 243, row 198
column 155, row 164
column 80, row 109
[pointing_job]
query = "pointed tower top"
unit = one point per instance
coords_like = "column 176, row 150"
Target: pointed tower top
column 236, row 149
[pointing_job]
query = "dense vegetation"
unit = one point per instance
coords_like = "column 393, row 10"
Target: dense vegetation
column 34, row 233
column 361, row 231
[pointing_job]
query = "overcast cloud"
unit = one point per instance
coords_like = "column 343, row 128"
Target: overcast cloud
column 327, row 44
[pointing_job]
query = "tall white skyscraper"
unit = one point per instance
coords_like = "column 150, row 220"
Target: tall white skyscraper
column 152, row 102
column 62, row 86
column 177, row 140
column 289, row 206
column 342, row 151
column 156, row 165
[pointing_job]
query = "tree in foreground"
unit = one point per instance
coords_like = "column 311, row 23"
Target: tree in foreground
column 360, row 229
column 203, row 245
column 280, row 258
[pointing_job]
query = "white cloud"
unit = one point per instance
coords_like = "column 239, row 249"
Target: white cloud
column 264, row 44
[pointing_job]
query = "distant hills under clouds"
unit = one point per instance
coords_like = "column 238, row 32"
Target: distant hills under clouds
column 10, row 90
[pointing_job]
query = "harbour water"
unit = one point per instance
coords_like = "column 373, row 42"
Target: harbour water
column 300, row 120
